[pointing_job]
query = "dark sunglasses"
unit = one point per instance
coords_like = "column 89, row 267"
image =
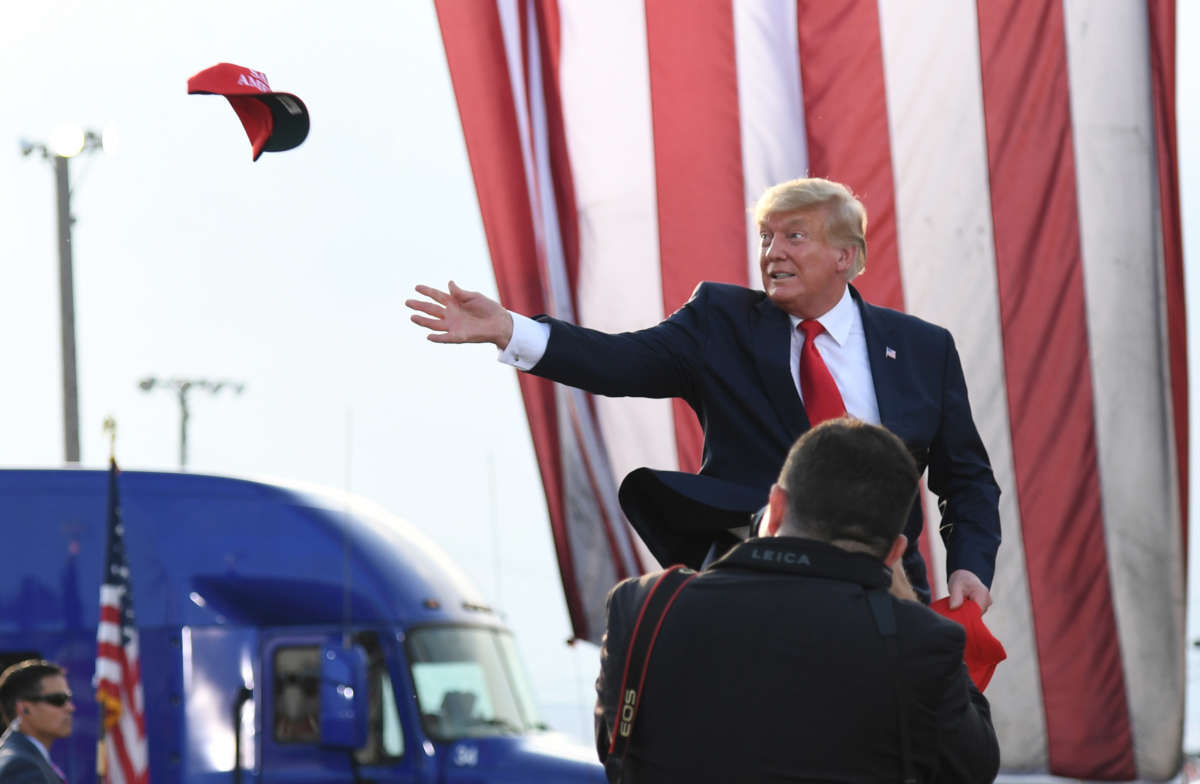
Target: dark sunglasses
column 57, row 699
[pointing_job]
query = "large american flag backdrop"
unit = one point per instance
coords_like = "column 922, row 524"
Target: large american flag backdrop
column 1017, row 159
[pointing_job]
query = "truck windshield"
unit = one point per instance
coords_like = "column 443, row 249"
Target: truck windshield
column 470, row 683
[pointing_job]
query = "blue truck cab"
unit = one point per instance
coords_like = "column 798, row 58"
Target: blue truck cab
column 286, row 634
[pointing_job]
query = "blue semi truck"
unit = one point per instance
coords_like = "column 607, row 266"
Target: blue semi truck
column 287, row 635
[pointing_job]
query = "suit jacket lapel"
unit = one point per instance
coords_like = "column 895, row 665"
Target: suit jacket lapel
column 882, row 368
column 772, row 346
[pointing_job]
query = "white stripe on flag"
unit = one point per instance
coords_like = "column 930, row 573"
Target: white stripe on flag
column 137, row 751
column 1109, row 66
column 511, row 28
column 541, row 195
column 612, row 159
column 115, row 774
column 109, row 632
column 593, row 477
column 771, row 107
column 944, row 219
column 111, row 594
column 108, row 670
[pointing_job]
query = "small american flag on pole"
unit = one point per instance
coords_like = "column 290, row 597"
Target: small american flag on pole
column 118, row 673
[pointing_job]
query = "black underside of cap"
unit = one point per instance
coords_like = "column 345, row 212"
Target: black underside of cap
column 291, row 121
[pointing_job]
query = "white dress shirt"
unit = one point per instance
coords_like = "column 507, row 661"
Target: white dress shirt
column 527, row 344
column 843, row 347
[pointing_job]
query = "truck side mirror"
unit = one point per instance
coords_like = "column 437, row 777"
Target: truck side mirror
column 343, row 697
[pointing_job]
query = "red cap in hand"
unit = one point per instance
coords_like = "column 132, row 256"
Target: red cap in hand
column 982, row 651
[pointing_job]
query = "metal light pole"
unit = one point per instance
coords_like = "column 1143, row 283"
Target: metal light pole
column 181, row 387
column 60, row 150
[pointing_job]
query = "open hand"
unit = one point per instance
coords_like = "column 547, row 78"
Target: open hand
column 461, row 316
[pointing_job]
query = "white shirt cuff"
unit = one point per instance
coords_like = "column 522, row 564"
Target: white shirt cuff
column 528, row 342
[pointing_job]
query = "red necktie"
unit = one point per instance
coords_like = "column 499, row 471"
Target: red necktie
column 821, row 397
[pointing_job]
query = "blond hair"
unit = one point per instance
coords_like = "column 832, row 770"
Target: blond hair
column 845, row 216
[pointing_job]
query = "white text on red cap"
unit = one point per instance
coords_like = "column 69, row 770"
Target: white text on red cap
column 255, row 79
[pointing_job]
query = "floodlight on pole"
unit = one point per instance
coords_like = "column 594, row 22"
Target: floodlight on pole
column 181, row 387
column 65, row 143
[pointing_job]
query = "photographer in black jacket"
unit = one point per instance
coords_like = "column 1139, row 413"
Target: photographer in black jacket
column 789, row 659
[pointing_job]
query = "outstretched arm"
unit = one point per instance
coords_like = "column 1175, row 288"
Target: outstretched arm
column 461, row 316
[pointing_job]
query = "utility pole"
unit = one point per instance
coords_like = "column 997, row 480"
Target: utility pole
column 66, row 144
column 181, row 387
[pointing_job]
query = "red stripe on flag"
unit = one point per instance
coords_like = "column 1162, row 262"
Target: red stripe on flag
column 131, row 680
column 115, row 739
column 1039, row 268
column 110, row 614
column 130, row 677
column 1162, row 70
column 471, row 34
column 846, row 114
column 698, row 162
column 110, row 651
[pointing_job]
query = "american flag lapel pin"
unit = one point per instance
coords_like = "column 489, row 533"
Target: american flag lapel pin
column 890, row 352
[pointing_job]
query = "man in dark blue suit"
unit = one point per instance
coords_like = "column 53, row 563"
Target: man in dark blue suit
column 35, row 701
column 738, row 357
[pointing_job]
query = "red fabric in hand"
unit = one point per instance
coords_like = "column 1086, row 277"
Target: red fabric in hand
column 982, row 651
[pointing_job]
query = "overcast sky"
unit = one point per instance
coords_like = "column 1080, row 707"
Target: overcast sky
column 289, row 274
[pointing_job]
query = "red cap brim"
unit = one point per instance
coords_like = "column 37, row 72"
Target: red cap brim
column 256, row 119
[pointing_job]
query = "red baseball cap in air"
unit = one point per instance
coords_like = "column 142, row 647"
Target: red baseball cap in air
column 273, row 121
column 982, row 651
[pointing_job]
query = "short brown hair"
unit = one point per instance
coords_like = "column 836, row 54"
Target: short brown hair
column 846, row 479
column 22, row 681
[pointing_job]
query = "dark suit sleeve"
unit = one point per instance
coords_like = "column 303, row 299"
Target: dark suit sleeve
column 658, row 362
column 961, row 475
column 959, row 745
column 19, row 770
column 967, row 747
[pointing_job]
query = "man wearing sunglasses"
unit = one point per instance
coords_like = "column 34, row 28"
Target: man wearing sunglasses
column 36, row 705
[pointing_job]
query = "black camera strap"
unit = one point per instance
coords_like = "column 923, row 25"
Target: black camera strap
column 885, row 620
column 641, row 644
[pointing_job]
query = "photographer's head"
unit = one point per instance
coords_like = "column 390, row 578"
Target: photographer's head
column 847, row 483
column 36, row 692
